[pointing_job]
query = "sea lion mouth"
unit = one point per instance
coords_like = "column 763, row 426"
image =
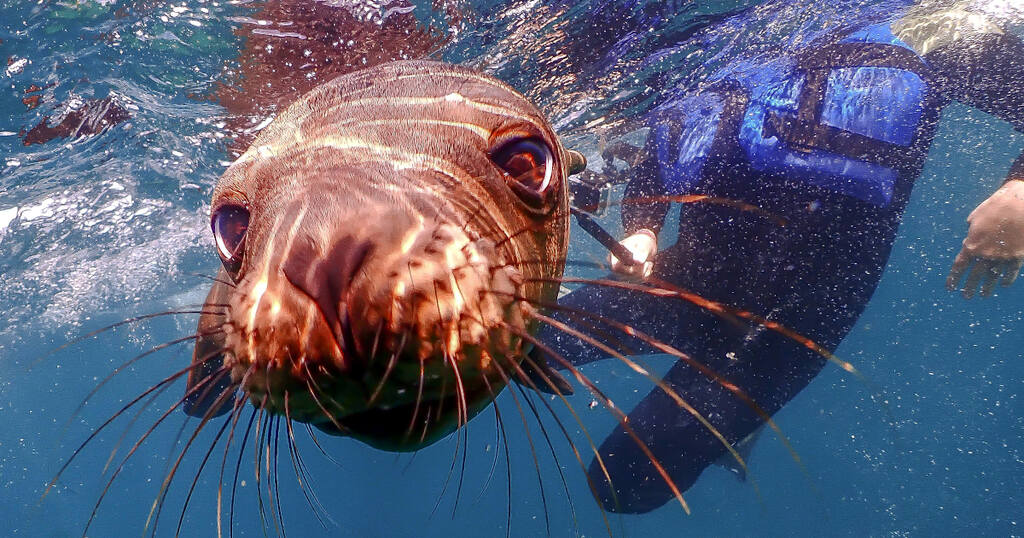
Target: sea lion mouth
column 404, row 427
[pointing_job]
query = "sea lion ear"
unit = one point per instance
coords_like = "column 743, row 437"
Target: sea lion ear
column 577, row 162
column 537, row 374
column 208, row 357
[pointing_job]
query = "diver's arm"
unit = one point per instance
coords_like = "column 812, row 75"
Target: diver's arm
column 987, row 71
column 641, row 221
column 993, row 250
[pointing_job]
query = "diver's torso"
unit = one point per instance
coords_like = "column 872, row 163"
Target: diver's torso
column 836, row 161
column 845, row 123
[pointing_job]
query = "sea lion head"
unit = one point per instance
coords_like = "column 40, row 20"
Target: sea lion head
column 382, row 239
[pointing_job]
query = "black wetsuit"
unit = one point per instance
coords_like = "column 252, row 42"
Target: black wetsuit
column 830, row 139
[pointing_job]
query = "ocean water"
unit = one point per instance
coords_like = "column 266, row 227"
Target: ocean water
column 97, row 229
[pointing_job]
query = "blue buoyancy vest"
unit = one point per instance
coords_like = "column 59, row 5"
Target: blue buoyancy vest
column 842, row 116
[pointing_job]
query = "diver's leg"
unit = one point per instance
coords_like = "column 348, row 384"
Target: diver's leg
column 679, row 441
column 817, row 285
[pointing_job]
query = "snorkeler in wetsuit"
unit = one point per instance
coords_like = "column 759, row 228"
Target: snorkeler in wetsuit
column 831, row 139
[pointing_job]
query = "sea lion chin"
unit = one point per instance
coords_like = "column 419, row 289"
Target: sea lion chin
column 382, row 240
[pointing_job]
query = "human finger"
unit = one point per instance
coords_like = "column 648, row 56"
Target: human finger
column 960, row 265
column 978, row 270
column 991, row 277
column 1013, row 269
column 648, row 269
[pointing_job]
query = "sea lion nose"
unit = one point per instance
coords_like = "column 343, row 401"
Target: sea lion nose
column 326, row 278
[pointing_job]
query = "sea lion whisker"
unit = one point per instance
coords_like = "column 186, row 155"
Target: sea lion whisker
column 227, row 283
column 478, row 317
column 124, row 434
column 642, row 369
column 551, row 448
column 384, row 378
column 426, row 425
column 660, row 288
column 204, row 395
column 463, row 420
column 582, row 264
column 660, row 383
column 419, row 400
column 152, row 398
column 145, row 435
column 135, row 359
column 376, row 337
column 572, row 445
column 619, row 415
column 507, row 379
column 263, row 457
column 513, row 235
column 135, row 319
column 277, row 473
column 508, row 462
column 302, row 474
column 158, row 503
column 258, row 456
column 458, row 440
column 236, row 414
column 234, row 481
column 494, row 461
column 533, row 450
column 522, row 374
column 699, row 198
column 163, row 383
column 202, row 465
column 701, row 367
column 443, row 393
column 313, row 389
column 316, row 442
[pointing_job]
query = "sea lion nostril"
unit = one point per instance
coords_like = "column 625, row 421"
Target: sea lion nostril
column 326, row 278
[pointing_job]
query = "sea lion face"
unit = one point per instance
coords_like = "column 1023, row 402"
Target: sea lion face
column 378, row 233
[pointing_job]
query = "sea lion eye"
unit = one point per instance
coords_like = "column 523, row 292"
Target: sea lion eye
column 529, row 163
column 230, row 223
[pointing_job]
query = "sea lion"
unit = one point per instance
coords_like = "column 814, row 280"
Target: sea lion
column 382, row 240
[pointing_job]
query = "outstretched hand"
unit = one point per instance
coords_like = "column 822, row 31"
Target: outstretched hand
column 993, row 250
column 643, row 245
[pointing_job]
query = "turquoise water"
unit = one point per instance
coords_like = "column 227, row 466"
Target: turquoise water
column 97, row 229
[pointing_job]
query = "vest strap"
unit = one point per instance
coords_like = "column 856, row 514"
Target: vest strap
column 805, row 132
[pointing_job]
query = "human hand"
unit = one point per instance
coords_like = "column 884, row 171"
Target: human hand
column 643, row 245
column 994, row 246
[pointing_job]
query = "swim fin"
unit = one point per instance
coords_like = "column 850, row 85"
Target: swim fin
column 743, row 448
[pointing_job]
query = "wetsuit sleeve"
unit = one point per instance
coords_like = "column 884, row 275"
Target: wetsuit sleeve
column 637, row 214
column 986, row 72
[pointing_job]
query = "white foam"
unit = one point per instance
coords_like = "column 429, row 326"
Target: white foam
column 6, row 216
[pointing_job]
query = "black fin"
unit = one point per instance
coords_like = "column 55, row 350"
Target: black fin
column 198, row 404
column 743, row 447
column 537, row 370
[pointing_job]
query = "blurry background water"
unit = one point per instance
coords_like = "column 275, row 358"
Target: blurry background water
column 96, row 229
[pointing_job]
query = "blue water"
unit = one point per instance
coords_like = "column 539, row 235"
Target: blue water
column 97, row 229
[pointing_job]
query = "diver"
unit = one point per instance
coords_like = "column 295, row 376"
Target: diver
column 831, row 139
